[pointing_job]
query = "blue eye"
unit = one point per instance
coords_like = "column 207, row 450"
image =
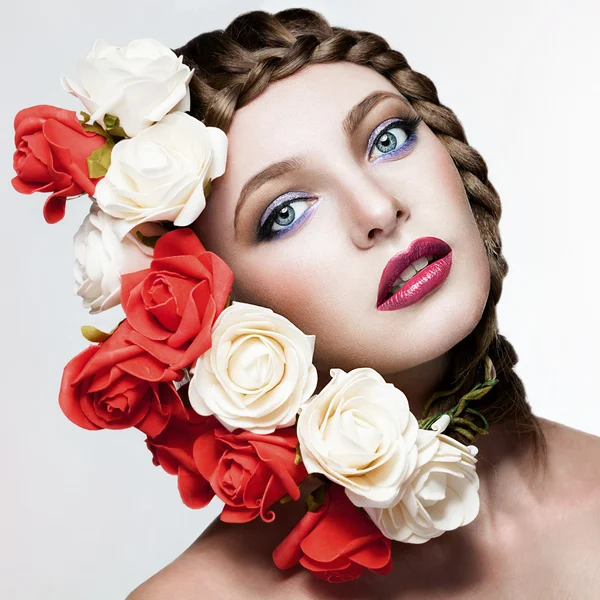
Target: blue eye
column 394, row 137
column 287, row 213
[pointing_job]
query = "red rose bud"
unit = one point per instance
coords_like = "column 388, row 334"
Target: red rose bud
column 176, row 301
column 248, row 471
column 51, row 156
column 119, row 384
column 336, row 543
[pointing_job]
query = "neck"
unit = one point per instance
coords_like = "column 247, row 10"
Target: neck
column 418, row 383
column 505, row 457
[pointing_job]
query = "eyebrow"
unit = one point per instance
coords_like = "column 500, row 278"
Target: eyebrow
column 350, row 124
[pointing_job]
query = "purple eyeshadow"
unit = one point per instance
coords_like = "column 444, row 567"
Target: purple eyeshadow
column 279, row 201
column 407, row 124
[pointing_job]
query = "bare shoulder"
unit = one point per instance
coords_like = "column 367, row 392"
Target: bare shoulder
column 575, row 455
column 572, row 443
column 233, row 561
column 226, row 561
column 194, row 575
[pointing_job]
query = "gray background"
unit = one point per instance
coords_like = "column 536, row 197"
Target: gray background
column 86, row 514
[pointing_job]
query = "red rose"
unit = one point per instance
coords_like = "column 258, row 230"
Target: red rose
column 177, row 300
column 172, row 450
column 249, row 472
column 336, row 543
column 120, row 383
column 51, row 156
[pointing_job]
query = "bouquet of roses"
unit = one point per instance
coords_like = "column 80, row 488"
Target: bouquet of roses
column 224, row 391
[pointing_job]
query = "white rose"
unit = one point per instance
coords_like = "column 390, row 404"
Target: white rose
column 160, row 174
column 359, row 432
column 139, row 83
column 101, row 259
column 257, row 372
column 441, row 495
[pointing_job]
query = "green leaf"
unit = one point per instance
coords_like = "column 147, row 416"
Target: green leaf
column 85, row 116
column 118, row 132
column 99, row 160
column 287, row 498
column 147, row 240
column 477, row 394
column 110, row 121
column 113, row 126
column 95, row 128
column 315, row 500
column 92, row 334
column 490, row 370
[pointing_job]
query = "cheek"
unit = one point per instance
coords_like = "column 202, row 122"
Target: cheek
column 312, row 291
column 472, row 284
column 285, row 286
column 448, row 209
column 331, row 294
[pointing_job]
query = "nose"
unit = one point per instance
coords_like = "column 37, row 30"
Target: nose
column 372, row 210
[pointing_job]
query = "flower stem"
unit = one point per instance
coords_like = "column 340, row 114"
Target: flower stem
column 459, row 424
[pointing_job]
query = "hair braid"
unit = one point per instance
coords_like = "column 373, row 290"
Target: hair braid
column 235, row 65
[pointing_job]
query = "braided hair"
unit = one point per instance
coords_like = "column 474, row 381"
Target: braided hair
column 235, row 65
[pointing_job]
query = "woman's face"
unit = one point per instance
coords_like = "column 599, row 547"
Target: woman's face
column 359, row 195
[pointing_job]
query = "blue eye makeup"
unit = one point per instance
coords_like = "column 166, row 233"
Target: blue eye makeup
column 391, row 139
column 280, row 214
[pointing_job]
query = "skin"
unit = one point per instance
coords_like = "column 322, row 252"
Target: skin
column 324, row 276
column 536, row 531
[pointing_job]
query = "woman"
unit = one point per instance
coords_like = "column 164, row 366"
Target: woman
column 340, row 157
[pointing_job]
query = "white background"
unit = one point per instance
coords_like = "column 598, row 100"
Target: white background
column 86, row 514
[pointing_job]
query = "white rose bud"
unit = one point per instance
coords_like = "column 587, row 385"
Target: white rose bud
column 102, row 257
column 359, row 433
column 160, row 174
column 257, row 372
column 441, row 495
column 139, row 83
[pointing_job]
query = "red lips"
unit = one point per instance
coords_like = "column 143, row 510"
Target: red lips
column 399, row 262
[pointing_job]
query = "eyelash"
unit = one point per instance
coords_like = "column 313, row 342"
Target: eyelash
column 408, row 124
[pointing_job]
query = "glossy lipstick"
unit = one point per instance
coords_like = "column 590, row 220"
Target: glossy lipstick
column 420, row 284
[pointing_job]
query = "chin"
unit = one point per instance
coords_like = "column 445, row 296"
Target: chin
column 432, row 329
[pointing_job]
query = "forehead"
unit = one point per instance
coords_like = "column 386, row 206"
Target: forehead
column 294, row 115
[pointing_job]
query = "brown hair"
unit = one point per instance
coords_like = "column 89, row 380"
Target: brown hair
column 235, row 65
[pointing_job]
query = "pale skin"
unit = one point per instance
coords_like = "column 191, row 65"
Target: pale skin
column 537, row 530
